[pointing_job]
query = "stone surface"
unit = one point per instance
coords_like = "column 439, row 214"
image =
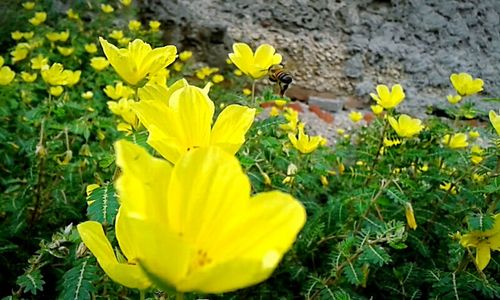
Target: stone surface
column 346, row 48
column 329, row 104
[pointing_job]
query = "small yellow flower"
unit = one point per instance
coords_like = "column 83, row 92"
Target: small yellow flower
column 388, row 99
column 106, row 8
column 228, row 61
column 138, row 60
column 72, row 77
column 154, row 26
column 454, row 99
column 54, row 75
column 255, row 65
column 477, row 177
column 63, row 36
column 29, row 5
column 474, row 134
column 160, row 77
column 406, row 126
column 484, row 242
column 118, row 91
column 91, row 48
column 424, row 167
column 39, row 62
column 410, row 216
column 56, row 90
column 185, row 55
column 340, row 131
column 465, row 85
column 17, row 35
column 217, row 78
column 247, row 91
column 292, row 116
column 116, row 34
column 495, row 121
column 457, row 141
column 238, row 72
column 302, row 142
column 6, row 75
column 377, row 109
column 274, row 112
column 87, row 95
column 178, row 66
column 324, row 180
column 134, row 25
column 476, row 154
column 39, row 18
column 124, row 41
column 28, row 35
column 52, row 36
column 203, row 72
column 19, row 53
column 27, row 77
column 447, row 186
column 355, row 116
column 65, row 51
column 72, row 14
column 99, row 63
column 125, row 2
column 123, row 108
column 280, row 103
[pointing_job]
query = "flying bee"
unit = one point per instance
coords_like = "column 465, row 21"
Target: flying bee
column 281, row 77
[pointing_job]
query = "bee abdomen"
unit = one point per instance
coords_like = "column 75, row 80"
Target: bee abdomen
column 285, row 78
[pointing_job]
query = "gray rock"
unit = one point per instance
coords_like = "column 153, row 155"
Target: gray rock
column 353, row 67
column 329, row 104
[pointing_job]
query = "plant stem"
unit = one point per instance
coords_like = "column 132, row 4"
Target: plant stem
column 253, row 91
column 142, row 294
column 179, row 296
column 377, row 155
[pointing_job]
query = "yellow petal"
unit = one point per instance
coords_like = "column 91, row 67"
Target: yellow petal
column 231, row 126
column 383, row 92
column 130, row 276
column 483, row 256
column 264, row 56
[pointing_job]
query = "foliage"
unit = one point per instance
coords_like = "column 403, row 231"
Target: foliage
column 357, row 242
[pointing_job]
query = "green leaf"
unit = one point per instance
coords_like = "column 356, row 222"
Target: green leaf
column 103, row 205
column 78, row 282
column 480, row 222
column 31, row 282
column 354, row 274
column 375, row 254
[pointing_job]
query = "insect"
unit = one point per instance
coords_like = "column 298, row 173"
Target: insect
column 281, row 77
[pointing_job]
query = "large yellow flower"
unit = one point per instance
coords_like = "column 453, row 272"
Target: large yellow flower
column 179, row 119
column 456, row 141
column 406, row 126
column 495, row 121
column 254, row 65
column 193, row 226
column 388, row 99
column 138, row 60
column 465, row 85
column 484, row 241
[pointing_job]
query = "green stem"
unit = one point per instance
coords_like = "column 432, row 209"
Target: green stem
column 253, row 91
column 377, row 155
column 179, row 296
column 142, row 294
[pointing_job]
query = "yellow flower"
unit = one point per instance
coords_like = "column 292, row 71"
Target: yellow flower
column 477, row 177
column 87, row 95
column 185, row 55
column 159, row 77
column 27, row 77
column 292, row 116
column 254, row 65
column 56, row 90
column 238, row 72
column 228, row 61
column 55, row 74
column 72, row 14
column 6, row 75
column 125, row 2
column 465, row 85
column 116, row 34
column 484, row 242
column 154, row 26
column 118, row 91
column 91, row 48
column 454, row 99
column 495, row 121
column 247, row 92
column 388, row 99
column 124, row 41
column 203, row 72
column 340, row 131
column 134, row 25
column 63, row 36
column 477, row 153
column 222, row 238
column 474, row 134
column 447, row 186
column 39, row 18
column 65, row 51
column 123, row 108
column 324, row 180
column 29, row 5
column 138, row 60
column 424, row 167
column 19, row 53
column 1, row 61
column 457, row 141
column 217, row 78
column 106, row 8
column 28, row 35
column 39, row 62
column 355, row 116
column 274, row 111
column 99, row 63
column 410, row 216
column 17, row 35
column 280, row 103
column 406, row 126
column 302, row 142
column 377, row 109
column 72, row 77
column 52, row 36
column 182, row 121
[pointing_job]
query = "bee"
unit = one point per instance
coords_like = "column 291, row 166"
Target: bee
column 278, row 74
